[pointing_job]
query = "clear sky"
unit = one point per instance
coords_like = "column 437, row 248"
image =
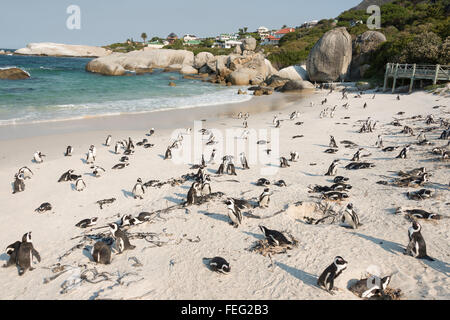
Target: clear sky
column 107, row 21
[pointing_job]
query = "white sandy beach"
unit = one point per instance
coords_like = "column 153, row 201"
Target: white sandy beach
column 175, row 270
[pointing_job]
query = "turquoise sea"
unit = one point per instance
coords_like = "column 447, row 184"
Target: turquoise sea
column 60, row 88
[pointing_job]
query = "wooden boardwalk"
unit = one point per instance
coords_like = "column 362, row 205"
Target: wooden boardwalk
column 415, row 72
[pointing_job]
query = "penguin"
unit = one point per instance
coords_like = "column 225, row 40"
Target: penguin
column 333, row 142
column 125, row 220
column 151, row 132
column 246, row 115
column 66, row 176
column 98, row 171
column 44, row 207
column 206, row 186
column 264, row 199
column 144, row 216
column 416, row 246
column 25, row 172
column 80, row 185
column 192, row 194
column 87, row 223
column 219, row 264
column 357, row 155
column 244, row 161
column 69, row 151
column 239, row 115
column 12, row 251
column 365, row 105
column 284, row 163
column 326, row 279
column 234, row 213
column 403, row 153
column 422, row 214
column 120, row 237
column 245, row 124
column 294, row 156
column 379, row 143
column 398, row 97
column 117, row 147
column 339, row 179
column 168, row 154
column 281, row 183
column 130, row 144
column 370, row 287
column 332, row 169
column 108, row 141
column 350, row 217
column 90, row 158
column 262, row 182
column 25, row 254
column 38, row 157
column 94, row 150
column 120, row 166
column 274, row 237
column 19, row 184
column 101, row 253
column 231, row 169
column 293, row 115
column 275, row 119
column 138, row 189
column 221, row 169
column 211, row 158
column 278, row 124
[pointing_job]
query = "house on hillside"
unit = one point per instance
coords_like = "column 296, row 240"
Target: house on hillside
column 263, row 32
column 189, row 37
column 172, row 37
column 309, row 24
column 275, row 37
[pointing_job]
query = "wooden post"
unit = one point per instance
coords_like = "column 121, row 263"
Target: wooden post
column 395, row 78
column 386, row 76
column 412, row 78
column 436, row 74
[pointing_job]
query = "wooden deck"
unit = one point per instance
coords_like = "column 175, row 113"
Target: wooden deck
column 415, row 72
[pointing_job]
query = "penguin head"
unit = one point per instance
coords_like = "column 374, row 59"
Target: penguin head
column 93, row 220
column 229, row 202
column 350, row 206
column 27, row 237
column 263, row 229
column 113, row 227
column 266, row 189
column 125, row 219
column 225, row 268
column 339, row 261
column 416, row 227
column 139, row 180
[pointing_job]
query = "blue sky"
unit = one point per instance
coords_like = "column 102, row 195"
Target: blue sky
column 108, row 21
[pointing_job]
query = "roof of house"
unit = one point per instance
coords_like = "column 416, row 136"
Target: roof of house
column 285, row 30
column 172, row 35
column 272, row 38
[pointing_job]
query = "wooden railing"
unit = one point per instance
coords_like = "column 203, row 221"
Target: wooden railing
column 415, row 71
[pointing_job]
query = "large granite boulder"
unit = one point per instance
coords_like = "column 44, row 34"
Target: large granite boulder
column 188, row 70
column 248, row 44
column 13, row 74
column 241, row 77
column 118, row 63
column 296, row 85
column 330, row 58
column 62, row 50
column 293, row 73
column 202, row 58
column 363, row 47
column 256, row 67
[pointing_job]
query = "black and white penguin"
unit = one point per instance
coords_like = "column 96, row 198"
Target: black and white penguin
column 192, row 195
column 138, row 189
column 219, row 264
column 120, row 166
column 168, row 154
column 262, row 182
column 90, row 158
column 295, row 156
column 25, row 172
column 244, row 161
column 213, row 155
column 12, row 251
column 66, row 176
column 120, row 237
column 38, row 157
column 275, row 119
column 221, row 169
column 239, row 116
column 125, row 220
column 403, row 153
column 350, row 217
column 206, row 186
column 19, row 184
column 332, row 169
column 85, row 223
column 108, row 141
column 151, row 132
column 365, row 105
column 230, row 168
column 340, row 179
column 130, row 144
column 357, row 155
column 101, row 253
column 69, row 151
column 234, row 213
column 379, row 143
column 117, row 147
column 98, row 171
column 284, row 162
column 416, row 246
column 94, row 150
column 275, row 237
column 264, row 198
column 25, row 254
column 326, row 279
column 294, row 115
column 278, row 124
column 144, row 216
column 333, row 142
column 370, row 287
column 46, row 206
column 80, row 185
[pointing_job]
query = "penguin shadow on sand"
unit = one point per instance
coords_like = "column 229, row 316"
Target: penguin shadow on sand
column 3, row 257
column 161, row 156
column 112, row 151
column 254, row 235
column 312, row 174
column 389, row 246
column 307, row 278
column 87, row 253
column 217, row 216
column 176, row 200
column 127, row 194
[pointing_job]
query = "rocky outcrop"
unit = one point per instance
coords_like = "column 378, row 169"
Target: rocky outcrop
column 202, row 59
column 62, row 50
column 118, row 63
column 188, row 70
column 363, row 47
column 330, row 58
column 249, row 69
column 296, row 85
column 13, row 74
column 293, row 73
column 248, row 44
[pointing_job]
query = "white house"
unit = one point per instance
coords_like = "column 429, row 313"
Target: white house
column 263, row 32
column 189, row 37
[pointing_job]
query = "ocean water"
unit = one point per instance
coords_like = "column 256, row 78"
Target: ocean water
column 61, row 89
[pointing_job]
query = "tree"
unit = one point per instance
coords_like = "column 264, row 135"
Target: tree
column 144, row 36
column 284, row 26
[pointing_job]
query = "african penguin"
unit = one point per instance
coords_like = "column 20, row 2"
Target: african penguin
column 25, row 254
column 19, row 184
column 26, row 172
column 332, row 169
column 38, row 157
column 98, row 171
column 370, row 287
column 264, row 199
column 219, row 264
column 69, row 151
column 138, row 189
column 234, row 213
column 120, row 237
column 274, row 237
column 101, row 253
column 168, row 154
column 333, row 142
column 416, row 246
column 326, row 279
column 284, row 163
column 350, row 217
column 85, row 223
column 193, row 194
column 12, row 251
column 244, row 161
column 108, row 141
column 80, row 185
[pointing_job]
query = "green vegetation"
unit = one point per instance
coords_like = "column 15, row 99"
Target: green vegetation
column 124, row 47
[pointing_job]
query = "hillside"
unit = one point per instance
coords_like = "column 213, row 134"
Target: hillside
column 366, row 3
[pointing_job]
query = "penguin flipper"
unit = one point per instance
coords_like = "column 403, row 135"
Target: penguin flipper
column 36, row 254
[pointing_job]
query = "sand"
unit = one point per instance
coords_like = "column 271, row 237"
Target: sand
column 175, row 269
